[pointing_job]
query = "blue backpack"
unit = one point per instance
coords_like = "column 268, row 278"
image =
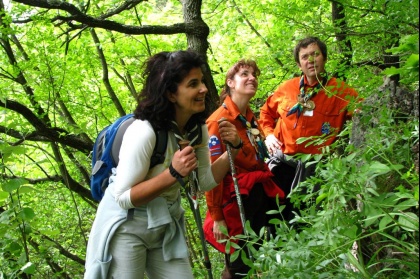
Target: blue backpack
column 106, row 151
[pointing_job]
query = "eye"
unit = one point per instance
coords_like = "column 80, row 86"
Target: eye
column 304, row 57
column 193, row 83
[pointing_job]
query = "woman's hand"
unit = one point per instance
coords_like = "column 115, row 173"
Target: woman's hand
column 185, row 161
column 228, row 132
column 272, row 144
column 217, row 231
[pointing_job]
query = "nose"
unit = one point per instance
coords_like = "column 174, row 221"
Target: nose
column 203, row 88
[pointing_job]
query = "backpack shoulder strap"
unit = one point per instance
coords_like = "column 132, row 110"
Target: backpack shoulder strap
column 116, row 145
column 158, row 155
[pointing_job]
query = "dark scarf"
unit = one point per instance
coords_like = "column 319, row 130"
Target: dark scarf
column 192, row 138
column 256, row 140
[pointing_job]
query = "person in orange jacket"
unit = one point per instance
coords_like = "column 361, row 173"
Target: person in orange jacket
column 312, row 105
column 253, row 176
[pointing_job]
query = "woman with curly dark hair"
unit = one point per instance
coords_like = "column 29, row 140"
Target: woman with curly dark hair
column 152, row 240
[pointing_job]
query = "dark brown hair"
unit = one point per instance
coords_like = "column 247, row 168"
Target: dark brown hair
column 163, row 72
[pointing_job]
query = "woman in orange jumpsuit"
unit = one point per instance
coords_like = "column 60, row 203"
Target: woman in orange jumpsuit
column 253, row 176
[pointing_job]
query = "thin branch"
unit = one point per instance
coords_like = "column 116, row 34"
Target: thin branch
column 105, row 77
column 256, row 32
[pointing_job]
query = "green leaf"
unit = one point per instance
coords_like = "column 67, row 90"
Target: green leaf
column 413, row 62
column 404, row 205
column 272, row 212
column 351, row 232
column 234, row 255
column 29, row 268
column 27, row 213
column 360, row 267
column 306, row 157
column 3, row 196
column 372, row 214
column 235, row 245
column 409, row 222
column 49, row 232
column 227, row 247
column 224, row 230
column 26, row 189
column 321, row 197
column 379, row 168
column 391, row 71
column 350, row 157
column 245, row 259
column 385, row 221
column 13, row 184
column 7, row 151
column 396, row 167
column 14, row 248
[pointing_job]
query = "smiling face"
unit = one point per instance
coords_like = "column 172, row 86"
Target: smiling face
column 244, row 82
column 312, row 62
column 189, row 99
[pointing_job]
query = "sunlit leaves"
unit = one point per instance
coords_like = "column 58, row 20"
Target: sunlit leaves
column 13, row 184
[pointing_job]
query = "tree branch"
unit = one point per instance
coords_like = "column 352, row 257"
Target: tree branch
column 256, row 32
column 105, row 77
column 53, row 134
column 77, row 15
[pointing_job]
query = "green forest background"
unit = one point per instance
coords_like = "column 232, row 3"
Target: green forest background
column 69, row 68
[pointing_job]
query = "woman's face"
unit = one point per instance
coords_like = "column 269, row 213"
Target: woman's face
column 244, row 81
column 189, row 99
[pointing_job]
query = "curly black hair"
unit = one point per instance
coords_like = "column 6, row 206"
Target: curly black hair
column 163, row 72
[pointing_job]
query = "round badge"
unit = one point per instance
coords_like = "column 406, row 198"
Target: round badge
column 255, row 131
column 310, row 105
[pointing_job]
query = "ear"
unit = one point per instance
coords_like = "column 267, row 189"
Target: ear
column 230, row 83
column 171, row 97
column 298, row 64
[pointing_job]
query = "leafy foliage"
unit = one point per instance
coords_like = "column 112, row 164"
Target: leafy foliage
column 62, row 79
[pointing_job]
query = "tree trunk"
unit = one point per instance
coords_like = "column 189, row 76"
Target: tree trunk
column 197, row 32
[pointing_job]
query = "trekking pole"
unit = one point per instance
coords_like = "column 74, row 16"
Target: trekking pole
column 194, row 205
column 236, row 187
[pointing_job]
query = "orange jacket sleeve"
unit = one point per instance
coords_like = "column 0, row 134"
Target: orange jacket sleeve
column 214, row 197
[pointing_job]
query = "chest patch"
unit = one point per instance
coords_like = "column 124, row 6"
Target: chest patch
column 326, row 128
